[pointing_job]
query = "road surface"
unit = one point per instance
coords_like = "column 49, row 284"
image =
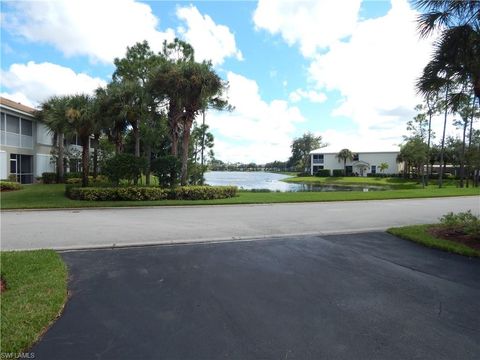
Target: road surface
column 87, row 228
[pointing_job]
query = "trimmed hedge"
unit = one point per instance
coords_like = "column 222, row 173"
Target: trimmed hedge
column 139, row 193
column 78, row 180
column 9, row 186
column 338, row 172
column 323, row 173
column 202, row 192
column 116, row 193
column 49, row 178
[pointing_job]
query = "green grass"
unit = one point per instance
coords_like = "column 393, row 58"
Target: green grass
column 36, row 292
column 419, row 234
column 52, row 196
column 394, row 183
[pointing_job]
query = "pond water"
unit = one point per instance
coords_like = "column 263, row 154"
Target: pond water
column 249, row 180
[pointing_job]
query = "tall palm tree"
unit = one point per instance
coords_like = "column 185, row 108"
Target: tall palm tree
column 80, row 115
column 53, row 114
column 344, row 155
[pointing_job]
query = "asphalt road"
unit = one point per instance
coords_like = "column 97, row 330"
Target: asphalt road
column 66, row 229
column 357, row 296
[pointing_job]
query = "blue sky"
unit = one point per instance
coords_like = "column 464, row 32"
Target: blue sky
column 340, row 69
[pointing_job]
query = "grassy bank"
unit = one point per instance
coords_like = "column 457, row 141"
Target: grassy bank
column 393, row 183
column 52, row 196
column 420, row 234
column 36, row 292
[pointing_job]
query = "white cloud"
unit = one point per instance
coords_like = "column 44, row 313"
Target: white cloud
column 99, row 29
column 375, row 72
column 312, row 95
column 256, row 130
column 210, row 41
column 314, row 24
column 32, row 83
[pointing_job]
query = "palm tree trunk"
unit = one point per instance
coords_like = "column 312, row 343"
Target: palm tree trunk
column 185, row 143
column 85, row 156
column 61, row 157
column 148, row 155
column 173, row 118
column 440, row 175
column 95, row 156
column 428, row 143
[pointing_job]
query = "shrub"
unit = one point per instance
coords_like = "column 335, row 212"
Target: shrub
column 464, row 222
column 9, row 186
column 203, row 192
column 116, row 193
column 167, row 169
column 124, row 166
column 49, row 178
column 338, row 172
column 71, row 175
column 323, row 173
column 303, row 174
column 101, row 179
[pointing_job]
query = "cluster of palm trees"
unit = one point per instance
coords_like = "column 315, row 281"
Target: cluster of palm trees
column 453, row 73
column 153, row 97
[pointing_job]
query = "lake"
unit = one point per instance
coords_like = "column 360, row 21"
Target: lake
column 249, row 180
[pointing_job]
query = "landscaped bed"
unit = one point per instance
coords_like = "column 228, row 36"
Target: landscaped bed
column 34, row 296
column 456, row 233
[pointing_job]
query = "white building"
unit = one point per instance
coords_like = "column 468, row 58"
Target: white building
column 363, row 162
column 25, row 143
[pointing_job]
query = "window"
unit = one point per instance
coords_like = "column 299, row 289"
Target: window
column 13, row 124
column 27, row 127
column 318, row 158
column 355, row 157
column 2, row 121
column 22, row 167
column 374, row 169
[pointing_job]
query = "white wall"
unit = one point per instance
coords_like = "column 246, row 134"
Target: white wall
column 43, row 164
column 3, row 165
column 44, row 137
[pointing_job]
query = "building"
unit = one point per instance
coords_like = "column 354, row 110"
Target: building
column 25, row 143
column 363, row 162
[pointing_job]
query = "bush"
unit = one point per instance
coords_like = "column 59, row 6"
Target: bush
column 49, row 178
column 203, row 192
column 167, row 169
column 9, row 186
column 338, row 172
column 464, row 222
column 71, row 175
column 323, row 173
column 303, row 174
column 149, row 193
column 101, row 179
column 124, row 166
column 116, row 193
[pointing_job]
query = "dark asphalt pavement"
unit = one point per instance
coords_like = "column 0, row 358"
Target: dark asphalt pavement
column 359, row 296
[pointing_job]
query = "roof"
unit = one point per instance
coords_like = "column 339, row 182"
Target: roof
column 16, row 106
column 336, row 150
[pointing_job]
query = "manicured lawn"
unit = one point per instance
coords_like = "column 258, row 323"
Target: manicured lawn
column 52, row 196
column 419, row 234
column 394, row 183
column 36, row 292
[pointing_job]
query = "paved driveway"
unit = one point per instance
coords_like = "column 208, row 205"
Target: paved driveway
column 358, row 296
column 95, row 228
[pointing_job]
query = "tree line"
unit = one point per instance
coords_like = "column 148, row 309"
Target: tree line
column 148, row 111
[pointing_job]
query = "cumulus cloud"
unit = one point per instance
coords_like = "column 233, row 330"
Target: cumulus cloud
column 313, row 24
column 256, row 130
column 99, row 29
column 311, row 95
column 210, row 41
column 32, row 83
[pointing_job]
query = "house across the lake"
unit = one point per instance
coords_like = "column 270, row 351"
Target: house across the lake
column 25, row 143
column 362, row 163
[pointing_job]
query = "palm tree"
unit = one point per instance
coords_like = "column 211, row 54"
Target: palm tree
column 344, row 155
column 80, row 115
column 53, row 114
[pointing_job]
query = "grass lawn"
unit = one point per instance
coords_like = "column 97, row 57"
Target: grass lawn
column 394, row 183
column 36, row 292
column 419, row 234
column 52, row 196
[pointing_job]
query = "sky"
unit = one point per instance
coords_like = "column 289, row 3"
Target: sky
column 343, row 70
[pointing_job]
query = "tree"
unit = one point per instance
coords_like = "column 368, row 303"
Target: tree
column 80, row 116
column 53, row 114
column 301, row 148
column 383, row 166
column 414, row 154
column 344, row 155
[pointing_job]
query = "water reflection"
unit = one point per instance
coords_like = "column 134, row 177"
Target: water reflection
column 272, row 181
